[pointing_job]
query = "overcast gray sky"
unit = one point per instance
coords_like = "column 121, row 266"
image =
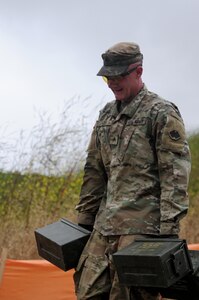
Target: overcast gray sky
column 50, row 51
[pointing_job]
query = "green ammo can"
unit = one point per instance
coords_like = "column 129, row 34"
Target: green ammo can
column 153, row 262
column 61, row 243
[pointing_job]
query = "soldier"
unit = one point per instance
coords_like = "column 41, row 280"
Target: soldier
column 136, row 175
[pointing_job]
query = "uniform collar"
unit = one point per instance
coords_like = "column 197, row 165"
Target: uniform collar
column 132, row 106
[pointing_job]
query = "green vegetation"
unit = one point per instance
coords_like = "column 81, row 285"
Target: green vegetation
column 194, row 179
column 190, row 229
column 25, row 197
column 30, row 199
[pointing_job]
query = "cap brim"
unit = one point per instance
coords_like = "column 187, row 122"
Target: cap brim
column 112, row 70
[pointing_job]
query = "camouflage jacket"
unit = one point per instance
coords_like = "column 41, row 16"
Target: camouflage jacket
column 137, row 169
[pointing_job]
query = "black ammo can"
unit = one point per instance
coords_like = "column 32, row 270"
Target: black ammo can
column 61, row 243
column 153, row 262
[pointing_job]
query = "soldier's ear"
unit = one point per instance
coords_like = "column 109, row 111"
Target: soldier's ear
column 139, row 71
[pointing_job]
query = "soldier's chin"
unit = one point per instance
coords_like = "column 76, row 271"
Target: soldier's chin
column 119, row 96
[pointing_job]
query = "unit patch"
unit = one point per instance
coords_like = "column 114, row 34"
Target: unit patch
column 173, row 134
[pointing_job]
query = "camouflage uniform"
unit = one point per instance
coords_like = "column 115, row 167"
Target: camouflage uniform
column 136, row 177
column 136, row 173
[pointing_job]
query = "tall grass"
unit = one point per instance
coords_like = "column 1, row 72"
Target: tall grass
column 40, row 178
column 30, row 201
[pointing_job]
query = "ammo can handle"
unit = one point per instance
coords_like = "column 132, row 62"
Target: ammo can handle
column 178, row 259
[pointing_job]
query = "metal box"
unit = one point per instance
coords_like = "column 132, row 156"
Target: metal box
column 61, row 243
column 153, row 262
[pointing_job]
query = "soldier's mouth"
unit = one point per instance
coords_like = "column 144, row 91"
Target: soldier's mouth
column 117, row 90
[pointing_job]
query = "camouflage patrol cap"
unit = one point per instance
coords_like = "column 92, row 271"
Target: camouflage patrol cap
column 119, row 57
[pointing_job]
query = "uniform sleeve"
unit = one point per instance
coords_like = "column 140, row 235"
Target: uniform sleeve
column 174, row 164
column 94, row 183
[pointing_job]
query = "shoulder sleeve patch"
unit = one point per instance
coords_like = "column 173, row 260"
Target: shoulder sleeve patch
column 173, row 134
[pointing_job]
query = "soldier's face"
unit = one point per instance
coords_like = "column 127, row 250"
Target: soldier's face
column 126, row 86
